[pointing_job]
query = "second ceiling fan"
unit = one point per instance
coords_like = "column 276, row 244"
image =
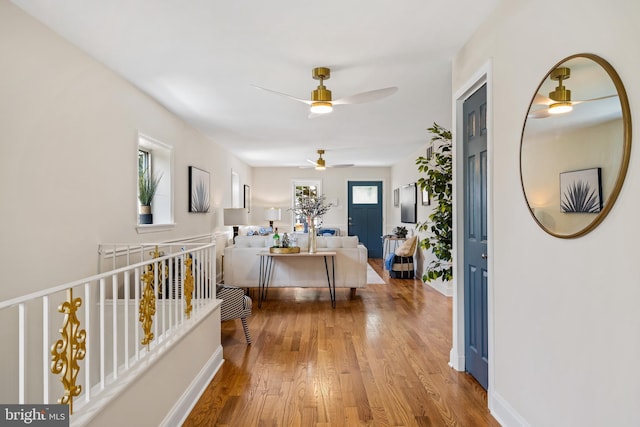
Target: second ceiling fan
column 321, row 165
column 321, row 101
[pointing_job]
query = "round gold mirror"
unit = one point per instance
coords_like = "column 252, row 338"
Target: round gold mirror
column 575, row 145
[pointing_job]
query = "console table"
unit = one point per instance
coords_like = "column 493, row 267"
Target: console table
column 266, row 268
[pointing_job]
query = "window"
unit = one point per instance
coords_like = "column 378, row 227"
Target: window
column 156, row 158
column 304, row 189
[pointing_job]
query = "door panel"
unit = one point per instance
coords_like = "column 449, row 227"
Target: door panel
column 476, row 232
column 365, row 214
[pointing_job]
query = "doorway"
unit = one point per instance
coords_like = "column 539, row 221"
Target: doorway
column 365, row 214
column 475, row 235
column 482, row 77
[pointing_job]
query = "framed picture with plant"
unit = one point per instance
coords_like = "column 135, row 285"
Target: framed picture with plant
column 581, row 191
column 198, row 190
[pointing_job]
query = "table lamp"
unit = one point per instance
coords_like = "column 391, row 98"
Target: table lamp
column 272, row 214
column 236, row 217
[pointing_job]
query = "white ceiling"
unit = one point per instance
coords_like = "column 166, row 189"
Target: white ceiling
column 200, row 59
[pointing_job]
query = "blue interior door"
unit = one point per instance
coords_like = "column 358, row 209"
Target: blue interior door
column 475, row 232
column 365, row 214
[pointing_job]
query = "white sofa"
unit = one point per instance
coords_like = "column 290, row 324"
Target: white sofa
column 242, row 264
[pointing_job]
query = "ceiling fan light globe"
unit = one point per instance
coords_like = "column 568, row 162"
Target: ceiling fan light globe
column 560, row 108
column 321, row 107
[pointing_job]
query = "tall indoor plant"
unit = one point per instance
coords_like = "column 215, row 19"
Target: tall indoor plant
column 438, row 183
column 147, row 186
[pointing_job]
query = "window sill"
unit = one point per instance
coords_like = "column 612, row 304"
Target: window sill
column 153, row 228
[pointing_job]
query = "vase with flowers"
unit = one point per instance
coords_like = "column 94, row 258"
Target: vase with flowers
column 311, row 208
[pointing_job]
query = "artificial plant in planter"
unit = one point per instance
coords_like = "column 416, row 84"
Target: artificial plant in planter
column 438, row 226
column 147, row 186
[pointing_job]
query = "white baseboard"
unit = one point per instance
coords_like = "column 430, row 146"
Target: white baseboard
column 456, row 361
column 504, row 413
column 183, row 406
column 445, row 288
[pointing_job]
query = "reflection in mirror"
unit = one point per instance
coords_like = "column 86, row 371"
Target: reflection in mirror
column 575, row 145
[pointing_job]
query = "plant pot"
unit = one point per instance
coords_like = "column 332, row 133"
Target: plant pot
column 145, row 217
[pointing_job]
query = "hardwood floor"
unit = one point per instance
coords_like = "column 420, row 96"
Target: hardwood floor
column 379, row 358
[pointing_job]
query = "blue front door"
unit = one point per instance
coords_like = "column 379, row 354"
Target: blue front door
column 365, row 214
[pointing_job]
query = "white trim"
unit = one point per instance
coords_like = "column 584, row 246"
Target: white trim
column 183, row 406
column 153, row 228
column 456, row 357
column 504, row 413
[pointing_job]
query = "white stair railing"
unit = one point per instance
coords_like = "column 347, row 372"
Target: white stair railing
column 80, row 342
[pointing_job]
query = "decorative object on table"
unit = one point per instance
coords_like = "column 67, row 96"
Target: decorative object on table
column 581, row 191
column 311, row 208
column 400, row 231
column 236, row 217
column 247, row 198
column 198, row 190
column 276, row 239
column 285, row 246
column 272, row 214
column 438, row 183
column 147, row 186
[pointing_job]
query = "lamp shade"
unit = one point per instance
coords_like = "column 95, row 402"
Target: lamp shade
column 272, row 214
column 236, row 216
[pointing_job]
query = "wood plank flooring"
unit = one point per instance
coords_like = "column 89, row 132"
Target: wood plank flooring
column 377, row 359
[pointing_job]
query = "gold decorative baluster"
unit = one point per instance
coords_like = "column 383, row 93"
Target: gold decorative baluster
column 67, row 351
column 188, row 286
column 147, row 307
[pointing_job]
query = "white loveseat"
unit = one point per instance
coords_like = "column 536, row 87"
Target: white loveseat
column 242, row 264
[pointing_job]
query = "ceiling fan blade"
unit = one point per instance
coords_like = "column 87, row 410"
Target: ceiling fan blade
column 304, row 101
column 594, row 99
column 346, row 165
column 312, row 162
column 539, row 114
column 542, row 100
column 370, row 96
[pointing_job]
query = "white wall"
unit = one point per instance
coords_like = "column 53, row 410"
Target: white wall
column 406, row 172
column 68, row 128
column 272, row 187
column 566, row 340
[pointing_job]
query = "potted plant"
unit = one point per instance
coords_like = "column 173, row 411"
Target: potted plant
column 438, row 182
column 147, row 186
column 400, row 231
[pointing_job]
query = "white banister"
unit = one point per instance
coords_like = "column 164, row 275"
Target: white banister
column 46, row 344
column 106, row 307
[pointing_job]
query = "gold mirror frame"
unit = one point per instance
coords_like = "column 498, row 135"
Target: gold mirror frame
column 608, row 199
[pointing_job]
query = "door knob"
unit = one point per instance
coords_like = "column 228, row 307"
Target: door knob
column 484, row 256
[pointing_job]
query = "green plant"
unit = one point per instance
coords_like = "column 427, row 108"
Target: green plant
column 438, row 182
column 147, row 186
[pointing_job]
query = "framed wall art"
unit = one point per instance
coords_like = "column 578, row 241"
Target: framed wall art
column 247, row 198
column 581, row 191
column 198, row 190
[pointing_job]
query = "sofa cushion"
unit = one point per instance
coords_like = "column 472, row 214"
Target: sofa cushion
column 350, row 242
column 333, row 242
column 321, row 242
column 252, row 241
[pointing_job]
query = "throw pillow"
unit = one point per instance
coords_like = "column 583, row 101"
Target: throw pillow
column 408, row 247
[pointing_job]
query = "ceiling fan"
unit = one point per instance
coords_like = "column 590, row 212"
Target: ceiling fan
column 321, row 102
column 559, row 100
column 321, row 165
